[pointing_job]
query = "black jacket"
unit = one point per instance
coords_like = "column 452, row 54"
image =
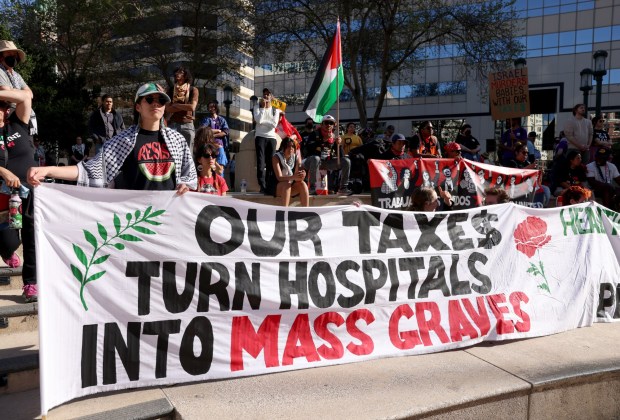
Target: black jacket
column 96, row 125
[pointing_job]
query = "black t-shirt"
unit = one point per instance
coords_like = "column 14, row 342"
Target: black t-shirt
column 601, row 135
column 15, row 138
column 149, row 166
column 513, row 163
column 389, row 155
column 573, row 176
column 469, row 142
column 317, row 146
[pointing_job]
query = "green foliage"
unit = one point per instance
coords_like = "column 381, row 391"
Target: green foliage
column 63, row 42
column 133, row 222
column 388, row 39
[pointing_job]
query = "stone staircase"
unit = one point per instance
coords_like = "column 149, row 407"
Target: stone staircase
column 19, row 369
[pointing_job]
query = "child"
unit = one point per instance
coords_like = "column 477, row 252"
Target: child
column 209, row 182
column 204, row 135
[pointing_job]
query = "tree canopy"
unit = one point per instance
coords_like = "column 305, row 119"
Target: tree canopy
column 74, row 48
column 382, row 38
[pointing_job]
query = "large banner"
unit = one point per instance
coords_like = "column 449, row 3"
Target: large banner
column 149, row 288
column 392, row 181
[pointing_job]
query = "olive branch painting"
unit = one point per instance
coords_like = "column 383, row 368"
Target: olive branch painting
column 134, row 222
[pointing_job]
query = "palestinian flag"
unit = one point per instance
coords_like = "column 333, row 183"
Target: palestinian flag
column 328, row 82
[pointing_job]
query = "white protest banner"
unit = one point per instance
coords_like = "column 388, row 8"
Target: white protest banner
column 149, row 288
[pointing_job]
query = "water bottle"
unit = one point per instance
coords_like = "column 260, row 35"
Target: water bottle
column 5, row 189
column 15, row 210
column 243, row 186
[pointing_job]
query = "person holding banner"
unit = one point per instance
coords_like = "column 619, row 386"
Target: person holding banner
column 146, row 156
column 494, row 195
column 520, row 162
column 426, row 199
column 16, row 152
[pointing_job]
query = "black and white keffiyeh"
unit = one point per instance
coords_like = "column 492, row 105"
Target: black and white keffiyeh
column 114, row 152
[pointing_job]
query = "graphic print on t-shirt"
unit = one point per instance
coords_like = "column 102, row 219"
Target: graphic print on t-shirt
column 155, row 162
column 207, row 185
column 10, row 140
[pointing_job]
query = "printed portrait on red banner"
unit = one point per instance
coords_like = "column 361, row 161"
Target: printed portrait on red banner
column 392, row 182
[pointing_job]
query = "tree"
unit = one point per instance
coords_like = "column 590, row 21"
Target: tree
column 216, row 37
column 384, row 38
column 65, row 43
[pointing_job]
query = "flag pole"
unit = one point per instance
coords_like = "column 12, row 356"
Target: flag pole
column 338, row 101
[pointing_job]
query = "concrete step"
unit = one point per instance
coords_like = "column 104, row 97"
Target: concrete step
column 572, row 375
column 19, row 362
column 15, row 314
column 141, row 404
column 10, row 278
column 315, row 200
column 20, row 392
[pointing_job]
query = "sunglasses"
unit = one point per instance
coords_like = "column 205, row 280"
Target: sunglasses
column 329, row 123
column 210, row 156
column 150, row 99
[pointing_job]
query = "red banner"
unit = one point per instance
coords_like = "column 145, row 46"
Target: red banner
column 392, row 182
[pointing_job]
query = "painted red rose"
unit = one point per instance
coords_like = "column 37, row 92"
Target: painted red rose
column 530, row 235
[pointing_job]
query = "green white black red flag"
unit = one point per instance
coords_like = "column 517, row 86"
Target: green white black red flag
column 328, row 82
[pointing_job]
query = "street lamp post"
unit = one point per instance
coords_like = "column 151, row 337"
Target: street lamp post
column 520, row 63
column 253, row 102
column 228, row 101
column 598, row 73
column 586, row 85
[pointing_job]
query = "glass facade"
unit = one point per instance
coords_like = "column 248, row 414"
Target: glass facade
column 534, row 8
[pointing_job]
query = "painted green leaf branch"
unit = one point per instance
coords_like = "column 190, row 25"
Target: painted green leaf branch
column 133, row 223
column 539, row 270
